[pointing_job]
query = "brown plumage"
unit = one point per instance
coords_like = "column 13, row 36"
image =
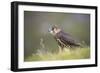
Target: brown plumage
column 63, row 39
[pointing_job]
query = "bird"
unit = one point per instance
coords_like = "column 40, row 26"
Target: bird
column 63, row 39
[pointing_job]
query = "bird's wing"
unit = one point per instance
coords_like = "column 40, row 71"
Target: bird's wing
column 66, row 38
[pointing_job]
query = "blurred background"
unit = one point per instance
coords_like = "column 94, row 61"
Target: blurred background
column 36, row 25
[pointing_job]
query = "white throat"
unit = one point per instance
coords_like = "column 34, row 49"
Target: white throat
column 57, row 31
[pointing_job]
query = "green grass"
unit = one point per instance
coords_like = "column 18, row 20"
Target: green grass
column 67, row 54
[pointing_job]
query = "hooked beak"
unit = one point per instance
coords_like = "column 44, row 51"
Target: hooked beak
column 49, row 29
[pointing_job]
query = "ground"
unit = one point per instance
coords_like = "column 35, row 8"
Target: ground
column 77, row 53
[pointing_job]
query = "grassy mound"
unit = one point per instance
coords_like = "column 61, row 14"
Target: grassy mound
column 67, row 54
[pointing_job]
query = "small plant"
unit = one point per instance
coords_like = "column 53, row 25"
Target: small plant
column 67, row 54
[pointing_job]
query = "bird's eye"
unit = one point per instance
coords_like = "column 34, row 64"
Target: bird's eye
column 52, row 28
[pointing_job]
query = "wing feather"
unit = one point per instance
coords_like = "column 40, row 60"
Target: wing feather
column 66, row 38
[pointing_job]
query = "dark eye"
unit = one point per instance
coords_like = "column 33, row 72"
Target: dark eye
column 52, row 28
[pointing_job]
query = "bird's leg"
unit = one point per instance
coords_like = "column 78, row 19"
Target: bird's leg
column 60, row 49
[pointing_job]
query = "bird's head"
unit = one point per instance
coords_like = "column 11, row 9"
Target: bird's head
column 54, row 29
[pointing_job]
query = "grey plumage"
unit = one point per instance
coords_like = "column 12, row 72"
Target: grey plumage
column 64, row 39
